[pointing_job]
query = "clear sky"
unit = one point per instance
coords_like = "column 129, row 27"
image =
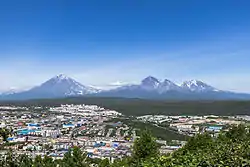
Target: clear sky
column 102, row 42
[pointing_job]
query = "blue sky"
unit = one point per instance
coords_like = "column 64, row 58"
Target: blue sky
column 103, row 42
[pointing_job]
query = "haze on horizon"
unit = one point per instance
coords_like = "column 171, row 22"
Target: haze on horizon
column 110, row 42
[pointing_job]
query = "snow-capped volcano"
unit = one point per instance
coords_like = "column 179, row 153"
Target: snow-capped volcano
column 150, row 83
column 58, row 86
column 64, row 85
column 152, row 88
column 197, row 86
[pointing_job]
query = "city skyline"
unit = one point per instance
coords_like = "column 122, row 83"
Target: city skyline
column 107, row 43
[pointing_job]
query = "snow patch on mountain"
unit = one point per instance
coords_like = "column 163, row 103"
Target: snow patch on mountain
column 61, row 77
column 197, row 86
column 167, row 85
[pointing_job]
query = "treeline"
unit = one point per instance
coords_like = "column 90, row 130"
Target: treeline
column 143, row 107
column 231, row 149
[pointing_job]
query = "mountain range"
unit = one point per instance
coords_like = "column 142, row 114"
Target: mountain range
column 149, row 88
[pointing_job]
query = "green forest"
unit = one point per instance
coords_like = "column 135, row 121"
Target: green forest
column 137, row 107
column 229, row 149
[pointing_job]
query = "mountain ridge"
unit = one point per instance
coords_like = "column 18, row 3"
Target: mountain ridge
column 149, row 88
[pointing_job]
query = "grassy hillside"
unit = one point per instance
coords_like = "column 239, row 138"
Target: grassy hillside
column 142, row 107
